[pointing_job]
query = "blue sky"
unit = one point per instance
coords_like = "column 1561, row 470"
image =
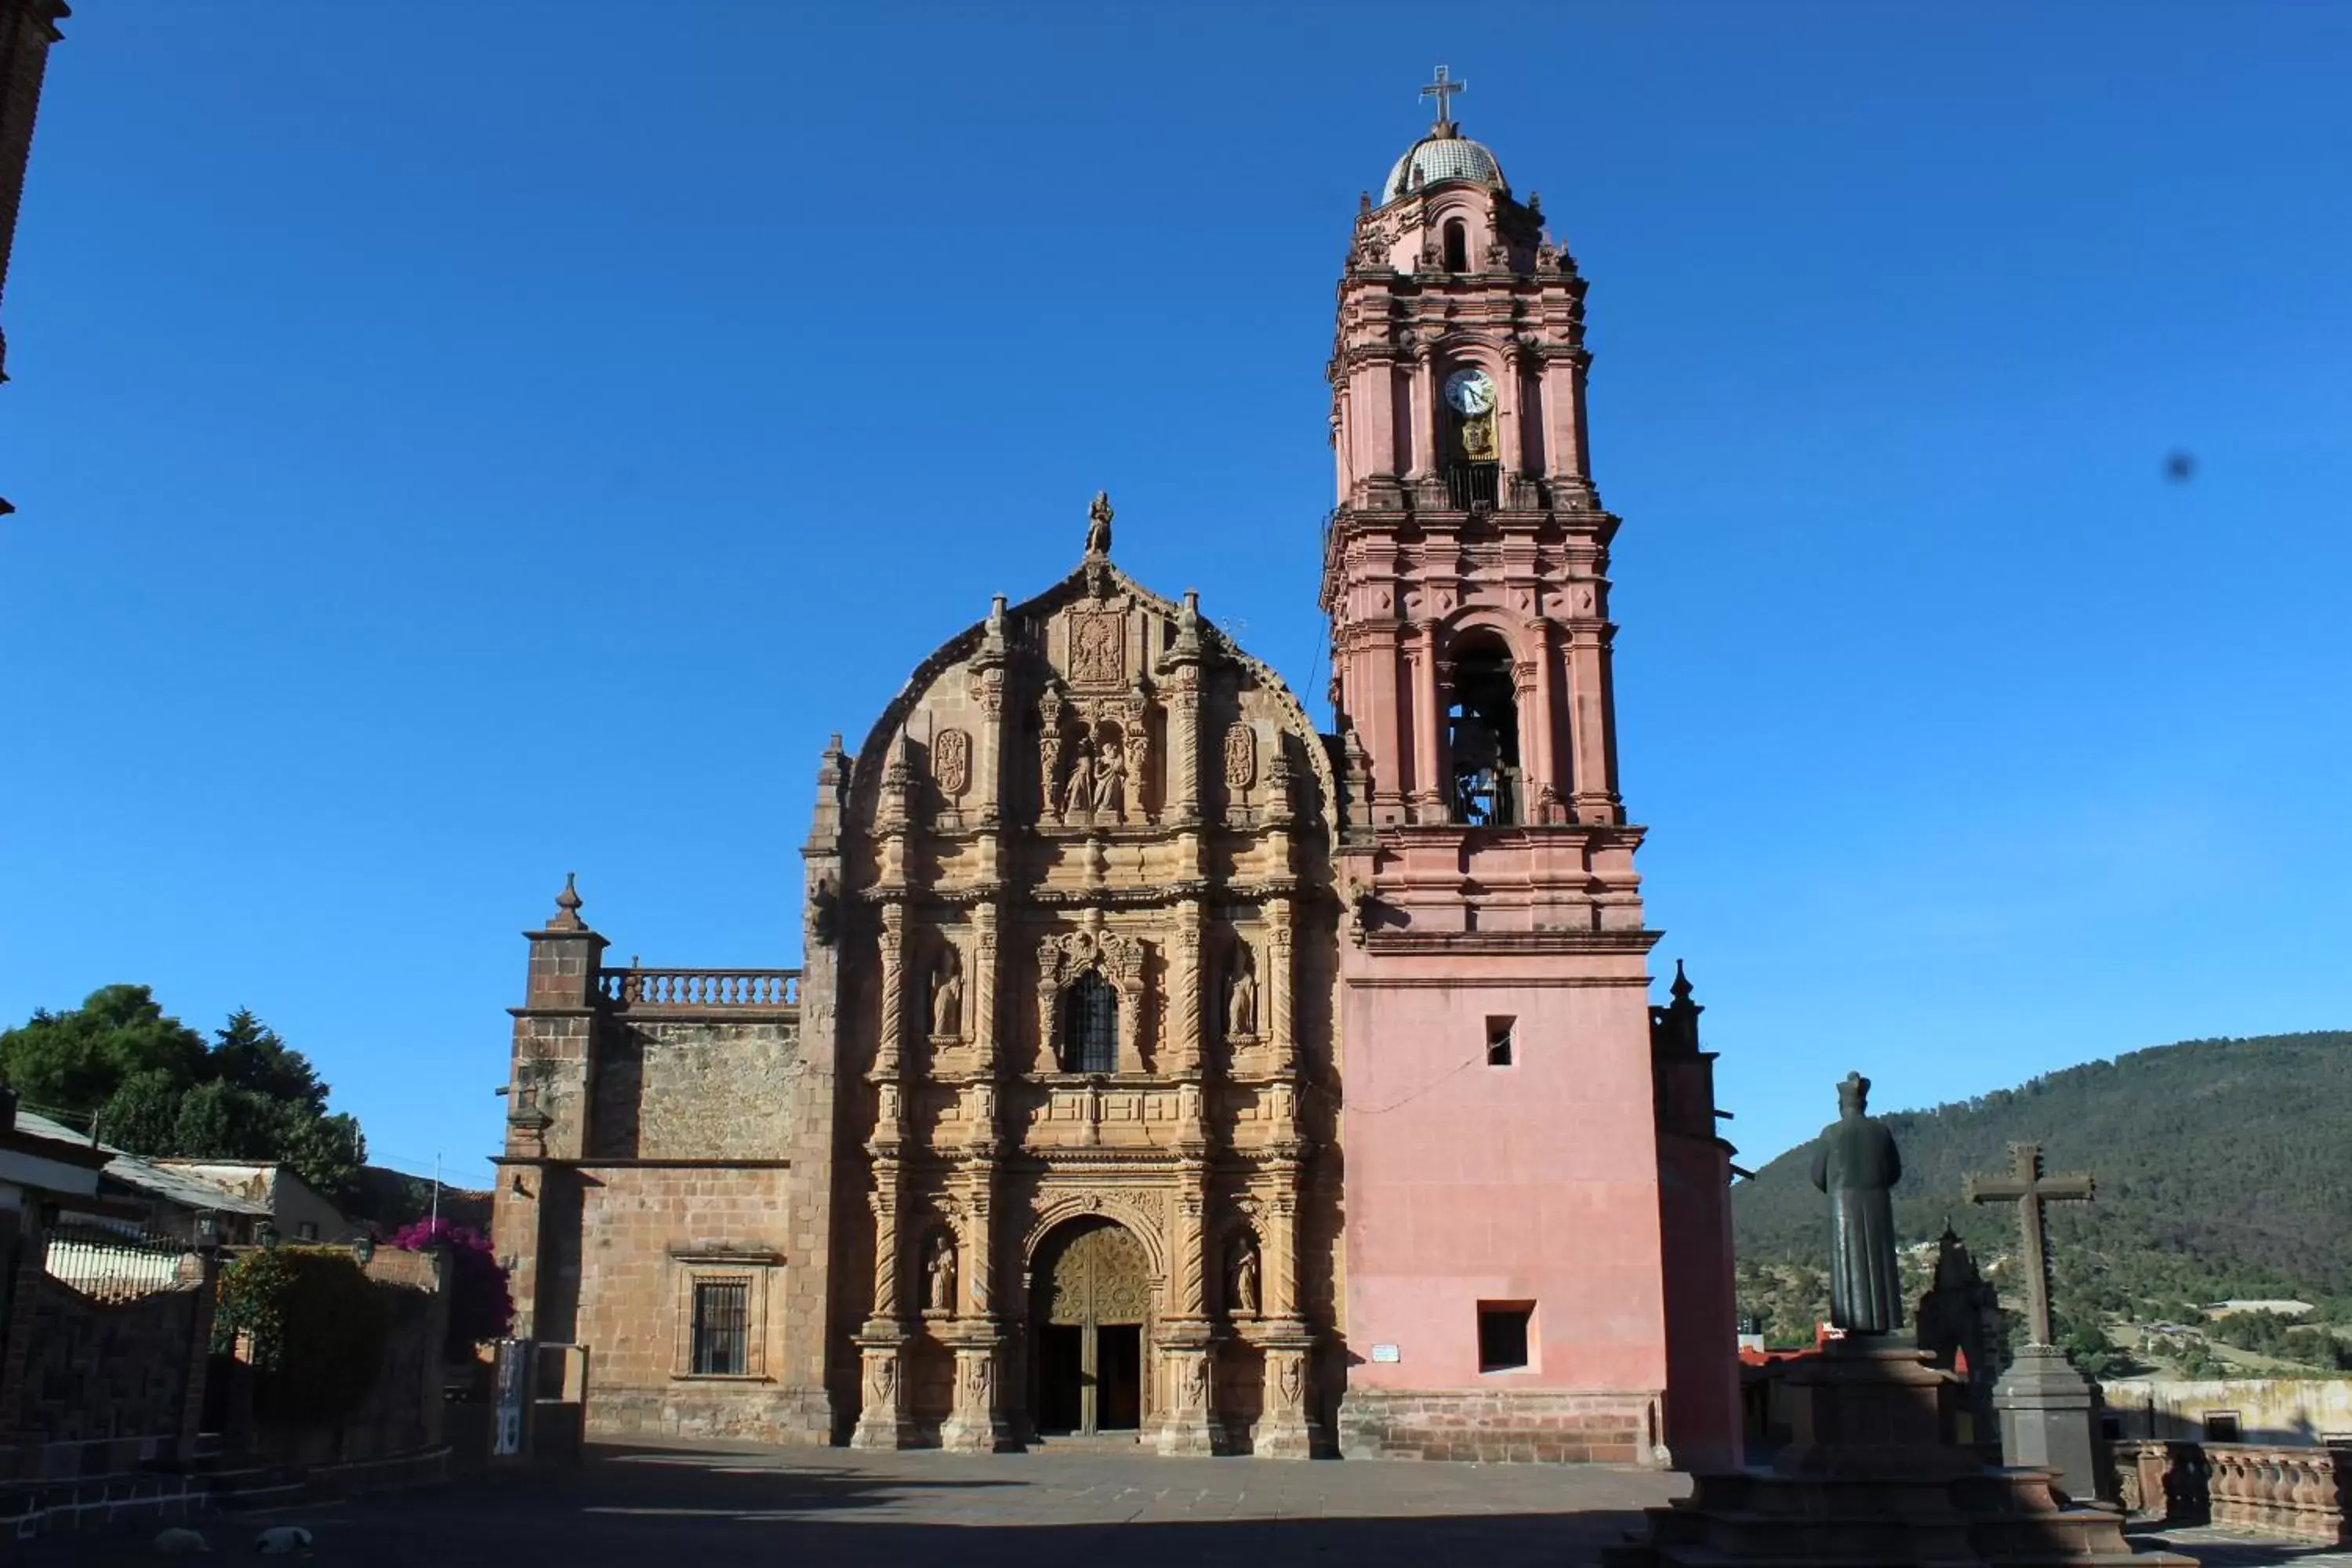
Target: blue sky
column 453, row 452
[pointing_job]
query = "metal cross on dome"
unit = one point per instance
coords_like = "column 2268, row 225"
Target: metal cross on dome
column 1444, row 88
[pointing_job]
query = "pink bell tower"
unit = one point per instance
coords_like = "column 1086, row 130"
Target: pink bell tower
column 1538, row 1216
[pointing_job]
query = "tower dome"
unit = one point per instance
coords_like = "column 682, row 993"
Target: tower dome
column 1442, row 154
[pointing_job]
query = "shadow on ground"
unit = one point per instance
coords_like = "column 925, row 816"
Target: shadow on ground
column 647, row 1508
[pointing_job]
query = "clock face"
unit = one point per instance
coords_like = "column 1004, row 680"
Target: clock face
column 1469, row 392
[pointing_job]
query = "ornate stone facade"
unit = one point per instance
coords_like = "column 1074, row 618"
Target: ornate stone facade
column 1116, row 968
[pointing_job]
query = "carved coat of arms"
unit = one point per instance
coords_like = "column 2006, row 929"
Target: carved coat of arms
column 1098, row 647
column 1241, row 757
column 951, row 762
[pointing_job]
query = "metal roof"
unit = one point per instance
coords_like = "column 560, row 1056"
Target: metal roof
column 131, row 1171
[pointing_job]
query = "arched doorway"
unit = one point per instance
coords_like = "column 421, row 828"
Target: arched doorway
column 1089, row 1312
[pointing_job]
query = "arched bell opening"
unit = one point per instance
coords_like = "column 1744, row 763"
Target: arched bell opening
column 1483, row 735
column 1090, row 1317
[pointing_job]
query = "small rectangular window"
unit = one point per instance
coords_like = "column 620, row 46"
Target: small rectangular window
column 1500, row 1033
column 1503, row 1335
column 722, row 1308
column 2221, row 1426
column 307, row 1231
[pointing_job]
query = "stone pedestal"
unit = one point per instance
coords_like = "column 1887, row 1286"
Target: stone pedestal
column 1284, row 1431
column 976, row 1424
column 1868, row 1480
column 882, row 1420
column 2049, row 1419
column 1188, row 1429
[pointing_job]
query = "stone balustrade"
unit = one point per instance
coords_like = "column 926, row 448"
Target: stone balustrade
column 701, row 989
column 2267, row 1489
column 2290, row 1492
column 2166, row 1480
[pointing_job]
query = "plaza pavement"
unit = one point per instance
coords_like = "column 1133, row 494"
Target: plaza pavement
column 733, row 1506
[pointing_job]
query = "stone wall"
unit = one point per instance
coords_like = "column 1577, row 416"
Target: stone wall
column 111, row 1369
column 695, row 1088
column 647, row 1235
column 1499, row 1426
column 2268, row 1409
column 401, row 1409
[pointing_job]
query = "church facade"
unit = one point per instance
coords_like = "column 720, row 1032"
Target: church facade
column 1161, row 1064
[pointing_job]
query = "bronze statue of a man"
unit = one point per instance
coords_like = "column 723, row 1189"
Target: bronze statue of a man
column 1855, row 1163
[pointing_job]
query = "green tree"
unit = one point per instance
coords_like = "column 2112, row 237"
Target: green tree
column 155, row 1088
column 73, row 1062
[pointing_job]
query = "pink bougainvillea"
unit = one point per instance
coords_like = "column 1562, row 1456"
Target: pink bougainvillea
column 480, row 1306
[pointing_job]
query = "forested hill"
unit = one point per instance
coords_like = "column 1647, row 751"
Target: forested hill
column 2224, row 1168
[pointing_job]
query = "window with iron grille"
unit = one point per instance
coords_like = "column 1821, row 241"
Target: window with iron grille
column 1091, row 1026
column 722, row 1309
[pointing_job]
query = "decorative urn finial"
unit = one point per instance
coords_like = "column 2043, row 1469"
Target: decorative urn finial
column 567, row 907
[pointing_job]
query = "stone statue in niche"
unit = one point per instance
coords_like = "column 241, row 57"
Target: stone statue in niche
column 1242, row 1294
column 1078, row 795
column 940, row 1275
column 1110, row 779
column 1049, row 766
column 1241, row 997
column 947, row 998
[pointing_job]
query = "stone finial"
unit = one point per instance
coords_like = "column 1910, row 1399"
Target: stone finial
column 567, row 906
column 1098, row 524
column 1681, row 989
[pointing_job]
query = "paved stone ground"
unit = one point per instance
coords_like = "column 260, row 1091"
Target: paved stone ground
column 727, row 1506
column 715, row 1506
column 2213, row 1550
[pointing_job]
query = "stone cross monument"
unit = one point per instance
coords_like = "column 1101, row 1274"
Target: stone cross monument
column 2027, row 1186
column 2049, row 1411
